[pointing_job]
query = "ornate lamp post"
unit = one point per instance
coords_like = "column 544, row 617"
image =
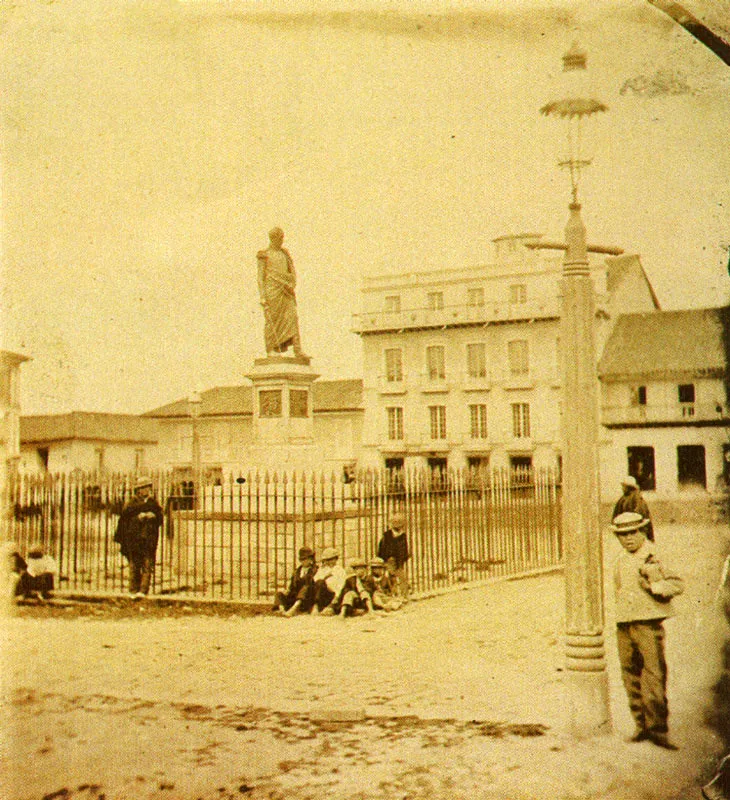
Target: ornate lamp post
column 587, row 680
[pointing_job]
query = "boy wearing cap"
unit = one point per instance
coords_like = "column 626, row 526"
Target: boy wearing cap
column 632, row 500
column 354, row 595
column 644, row 589
column 300, row 595
column 137, row 535
column 380, row 585
column 328, row 582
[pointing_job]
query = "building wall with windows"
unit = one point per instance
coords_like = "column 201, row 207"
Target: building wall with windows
column 664, row 406
column 462, row 366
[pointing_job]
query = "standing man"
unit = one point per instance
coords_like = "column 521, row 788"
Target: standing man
column 277, row 280
column 393, row 549
column 137, row 533
column 633, row 500
column 644, row 589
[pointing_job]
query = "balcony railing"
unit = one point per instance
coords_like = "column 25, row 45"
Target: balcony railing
column 680, row 412
column 447, row 316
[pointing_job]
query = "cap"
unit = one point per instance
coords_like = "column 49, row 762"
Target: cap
column 306, row 552
column 630, row 480
column 35, row 549
column 627, row 522
column 357, row 562
column 328, row 553
column 376, row 561
column 141, row 482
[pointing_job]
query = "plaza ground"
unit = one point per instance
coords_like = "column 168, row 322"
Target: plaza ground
column 456, row 696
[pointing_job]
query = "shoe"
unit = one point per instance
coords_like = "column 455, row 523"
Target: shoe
column 662, row 740
column 639, row 736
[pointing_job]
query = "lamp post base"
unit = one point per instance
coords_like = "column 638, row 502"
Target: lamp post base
column 587, row 704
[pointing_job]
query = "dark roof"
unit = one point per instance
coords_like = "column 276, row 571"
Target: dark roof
column 87, row 425
column 341, row 395
column 664, row 344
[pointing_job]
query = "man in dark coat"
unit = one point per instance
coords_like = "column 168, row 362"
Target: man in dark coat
column 300, row 596
column 393, row 549
column 632, row 500
column 137, row 534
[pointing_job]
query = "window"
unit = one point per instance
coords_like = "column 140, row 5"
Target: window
column 436, row 362
column 638, row 395
column 475, row 297
column 641, row 466
column 521, row 468
column 139, row 465
column 478, row 421
column 395, row 422
column 518, row 293
column 392, row 304
column 686, row 392
column 518, row 358
column 521, row 420
column 476, row 360
column 691, row 470
column 270, row 403
column 435, row 300
column 394, row 365
column 99, row 459
column 438, row 421
column 298, row 403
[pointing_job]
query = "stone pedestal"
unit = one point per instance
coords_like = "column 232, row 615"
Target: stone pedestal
column 282, row 403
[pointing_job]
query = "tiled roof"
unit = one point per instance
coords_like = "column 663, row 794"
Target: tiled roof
column 341, row 395
column 661, row 344
column 87, row 425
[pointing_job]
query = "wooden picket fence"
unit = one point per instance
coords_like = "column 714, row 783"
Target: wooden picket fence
column 237, row 538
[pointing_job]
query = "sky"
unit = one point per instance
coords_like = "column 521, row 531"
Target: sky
column 148, row 147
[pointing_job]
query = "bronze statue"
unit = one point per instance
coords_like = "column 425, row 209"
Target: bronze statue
column 277, row 279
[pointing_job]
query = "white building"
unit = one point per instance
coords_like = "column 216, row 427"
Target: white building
column 10, row 410
column 664, row 406
column 92, row 442
column 461, row 366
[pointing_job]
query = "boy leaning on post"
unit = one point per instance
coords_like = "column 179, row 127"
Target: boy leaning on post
column 645, row 586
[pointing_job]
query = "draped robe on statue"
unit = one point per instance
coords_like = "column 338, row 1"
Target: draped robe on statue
column 277, row 280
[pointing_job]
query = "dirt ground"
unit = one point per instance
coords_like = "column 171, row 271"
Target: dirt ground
column 457, row 696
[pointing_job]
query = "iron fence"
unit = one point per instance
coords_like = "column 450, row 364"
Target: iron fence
column 238, row 538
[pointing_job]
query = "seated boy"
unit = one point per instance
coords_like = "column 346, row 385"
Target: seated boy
column 300, row 595
column 328, row 582
column 38, row 577
column 381, row 585
column 354, row 596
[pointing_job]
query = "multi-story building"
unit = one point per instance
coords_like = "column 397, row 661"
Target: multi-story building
column 462, row 366
column 10, row 415
column 664, row 403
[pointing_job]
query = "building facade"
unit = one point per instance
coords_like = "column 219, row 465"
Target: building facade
column 462, row 366
column 664, row 403
column 10, row 410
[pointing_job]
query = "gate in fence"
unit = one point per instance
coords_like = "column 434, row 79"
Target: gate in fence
column 238, row 539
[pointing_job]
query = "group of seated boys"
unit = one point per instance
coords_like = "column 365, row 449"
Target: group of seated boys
column 330, row 589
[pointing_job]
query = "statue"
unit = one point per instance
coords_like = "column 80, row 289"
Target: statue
column 277, row 279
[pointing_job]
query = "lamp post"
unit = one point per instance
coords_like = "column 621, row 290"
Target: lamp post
column 586, row 677
column 194, row 404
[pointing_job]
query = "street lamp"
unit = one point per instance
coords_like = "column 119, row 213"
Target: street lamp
column 587, row 680
column 194, row 404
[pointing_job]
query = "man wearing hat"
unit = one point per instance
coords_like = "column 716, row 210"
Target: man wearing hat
column 354, row 596
column 380, row 584
column 393, row 549
column 137, row 535
column 644, row 588
column 632, row 500
column 300, row 595
column 328, row 582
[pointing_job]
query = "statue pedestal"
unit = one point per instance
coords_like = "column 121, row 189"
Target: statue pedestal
column 282, row 402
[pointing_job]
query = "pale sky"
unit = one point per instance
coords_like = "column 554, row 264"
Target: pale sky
column 148, row 147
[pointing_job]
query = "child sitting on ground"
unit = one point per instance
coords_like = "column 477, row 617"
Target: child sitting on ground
column 381, row 585
column 300, row 596
column 328, row 582
column 354, row 597
column 38, row 577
